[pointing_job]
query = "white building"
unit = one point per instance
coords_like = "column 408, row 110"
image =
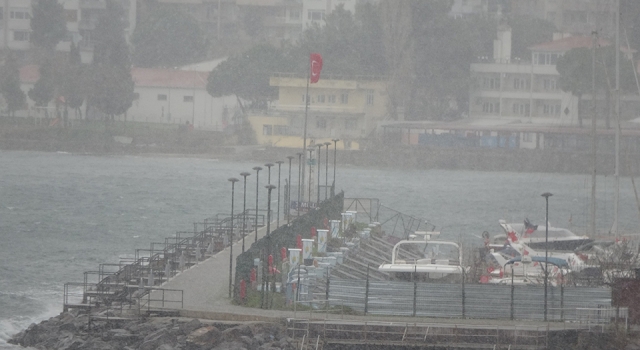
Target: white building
column 166, row 96
column 314, row 11
column 16, row 24
column 81, row 17
column 521, row 90
column 176, row 97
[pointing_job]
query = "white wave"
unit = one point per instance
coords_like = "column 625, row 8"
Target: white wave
column 14, row 324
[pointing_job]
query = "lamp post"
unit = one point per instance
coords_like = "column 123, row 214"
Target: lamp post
column 233, row 181
column 335, row 152
column 289, row 193
column 278, row 217
column 244, row 207
column 269, row 187
column 299, row 176
column 546, row 196
column 257, row 169
column 269, row 165
column 318, row 157
column 326, row 170
column 310, row 174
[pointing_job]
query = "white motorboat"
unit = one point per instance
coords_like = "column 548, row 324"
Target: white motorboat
column 535, row 236
column 424, row 258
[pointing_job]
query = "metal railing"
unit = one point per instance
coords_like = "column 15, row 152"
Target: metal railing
column 482, row 301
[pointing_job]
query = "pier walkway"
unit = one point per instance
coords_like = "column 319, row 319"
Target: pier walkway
column 206, row 295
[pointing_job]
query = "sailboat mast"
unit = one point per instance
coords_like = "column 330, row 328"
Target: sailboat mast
column 616, row 200
column 592, row 226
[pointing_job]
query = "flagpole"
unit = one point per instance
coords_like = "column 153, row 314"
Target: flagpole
column 304, row 138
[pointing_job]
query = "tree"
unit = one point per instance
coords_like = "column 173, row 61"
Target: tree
column 247, row 76
column 429, row 55
column 575, row 68
column 527, row 31
column 111, row 84
column 44, row 89
column 167, row 38
column 48, row 24
column 73, row 82
column 10, row 85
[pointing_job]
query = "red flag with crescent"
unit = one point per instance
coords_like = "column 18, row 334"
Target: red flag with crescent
column 316, row 66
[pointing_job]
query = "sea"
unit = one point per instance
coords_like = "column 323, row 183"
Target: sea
column 62, row 214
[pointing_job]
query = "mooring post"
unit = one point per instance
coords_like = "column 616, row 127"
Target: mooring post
column 415, row 289
column 463, row 295
column 513, row 288
column 366, row 293
column 327, row 287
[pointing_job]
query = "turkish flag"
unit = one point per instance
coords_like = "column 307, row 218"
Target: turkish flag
column 316, row 66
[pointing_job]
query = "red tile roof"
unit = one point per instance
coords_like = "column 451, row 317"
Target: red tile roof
column 156, row 77
column 566, row 44
column 142, row 77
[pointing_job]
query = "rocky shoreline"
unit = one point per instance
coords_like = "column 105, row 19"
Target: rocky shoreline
column 104, row 331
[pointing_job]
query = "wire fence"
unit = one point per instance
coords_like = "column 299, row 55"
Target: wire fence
column 400, row 298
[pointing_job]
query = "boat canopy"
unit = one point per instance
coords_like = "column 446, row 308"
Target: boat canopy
column 551, row 260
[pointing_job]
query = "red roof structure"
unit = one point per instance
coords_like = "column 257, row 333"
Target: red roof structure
column 169, row 78
column 142, row 77
column 568, row 43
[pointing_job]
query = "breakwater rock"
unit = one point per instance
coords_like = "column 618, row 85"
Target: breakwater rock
column 72, row 331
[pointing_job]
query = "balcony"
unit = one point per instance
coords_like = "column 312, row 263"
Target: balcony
column 334, row 110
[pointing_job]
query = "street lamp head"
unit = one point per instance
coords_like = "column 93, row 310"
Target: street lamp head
column 279, row 162
column 245, row 174
column 546, row 195
column 269, row 187
column 233, row 179
column 290, row 157
column 327, row 143
column 257, row 168
column 319, row 145
column 335, row 140
column 269, row 165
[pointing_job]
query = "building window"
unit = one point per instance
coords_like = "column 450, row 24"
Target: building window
column 521, row 84
column 549, row 84
column 332, row 98
column 187, row 99
column 521, row 108
column 369, row 97
column 162, row 97
column 321, row 123
column 491, row 107
column 20, row 35
column 551, row 109
column 19, row 14
column 320, row 98
column 491, row 83
column 540, row 58
column 266, row 130
column 316, row 15
column 344, row 98
column 351, row 124
column 294, row 15
column 136, row 96
column 279, row 129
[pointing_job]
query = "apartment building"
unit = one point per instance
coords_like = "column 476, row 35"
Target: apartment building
column 525, row 91
column 217, row 18
column 81, row 17
column 16, row 24
column 339, row 107
column 578, row 17
column 280, row 20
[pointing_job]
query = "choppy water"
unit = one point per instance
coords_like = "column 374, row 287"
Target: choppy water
column 62, row 214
